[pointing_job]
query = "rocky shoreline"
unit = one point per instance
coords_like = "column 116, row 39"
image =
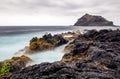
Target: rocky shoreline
column 92, row 55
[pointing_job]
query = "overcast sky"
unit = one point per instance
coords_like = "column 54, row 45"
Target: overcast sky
column 55, row 12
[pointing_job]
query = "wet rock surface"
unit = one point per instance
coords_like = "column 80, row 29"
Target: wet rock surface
column 93, row 55
column 46, row 42
column 90, row 20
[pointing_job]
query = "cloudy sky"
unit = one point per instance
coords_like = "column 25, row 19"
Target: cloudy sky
column 55, row 12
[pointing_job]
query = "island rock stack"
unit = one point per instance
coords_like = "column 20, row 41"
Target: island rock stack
column 90, row 20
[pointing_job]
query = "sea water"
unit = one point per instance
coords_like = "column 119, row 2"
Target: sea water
column 13, row 39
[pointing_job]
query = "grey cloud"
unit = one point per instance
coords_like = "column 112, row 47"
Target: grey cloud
column 61, row 7
column 56, row 5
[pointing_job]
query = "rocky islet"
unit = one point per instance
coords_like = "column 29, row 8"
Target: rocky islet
column 93, row 20
column 46, row 42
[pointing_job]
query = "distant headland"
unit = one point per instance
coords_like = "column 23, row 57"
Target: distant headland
column 93, row 20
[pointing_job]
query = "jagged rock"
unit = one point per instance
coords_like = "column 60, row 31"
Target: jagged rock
column 40, row 44
column 90, row 20
column 55, row 40
column 102, row 53
column 60, row 40
column 47, row 42
column 18, row 63
column 64, row 71
column 94, row 43
column 47, row 71
column 80, row 48
column 14, row 64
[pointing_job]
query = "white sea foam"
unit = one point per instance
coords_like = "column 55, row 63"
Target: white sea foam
column 9, row 45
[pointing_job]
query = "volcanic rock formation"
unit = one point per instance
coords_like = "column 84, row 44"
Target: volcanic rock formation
column 93, row 55
column 90, row 20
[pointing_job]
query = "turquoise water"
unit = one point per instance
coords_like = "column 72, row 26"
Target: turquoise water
column 10, row 44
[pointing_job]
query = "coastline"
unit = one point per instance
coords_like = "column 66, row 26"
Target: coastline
column 65, row 61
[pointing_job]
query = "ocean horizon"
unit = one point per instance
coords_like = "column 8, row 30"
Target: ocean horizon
column 14, row 30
